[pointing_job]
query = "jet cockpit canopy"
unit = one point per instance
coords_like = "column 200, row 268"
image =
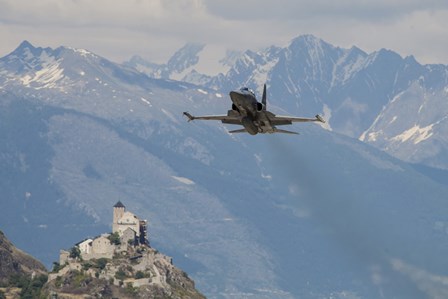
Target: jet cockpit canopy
column 246, row 89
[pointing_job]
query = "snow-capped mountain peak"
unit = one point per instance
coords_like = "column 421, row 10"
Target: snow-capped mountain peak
column 33, row 66
column 353, row 88
column 114, row 132
column 193, row 63
column 63, row 68
column 391, row 102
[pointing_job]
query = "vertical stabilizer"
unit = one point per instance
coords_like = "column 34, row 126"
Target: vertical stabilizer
column 263, row 99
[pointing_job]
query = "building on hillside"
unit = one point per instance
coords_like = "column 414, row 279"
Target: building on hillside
column 129, row 237
column 130, row 229
column 102, row 247
column 124, row 220
column 85, row 246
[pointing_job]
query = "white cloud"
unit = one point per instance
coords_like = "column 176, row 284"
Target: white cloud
column 376, row 11
column 155, row 29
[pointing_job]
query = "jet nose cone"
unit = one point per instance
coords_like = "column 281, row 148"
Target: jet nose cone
column 234, row 96
column 234, row 93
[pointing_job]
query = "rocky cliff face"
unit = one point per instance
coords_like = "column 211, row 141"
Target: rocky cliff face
column 21, row 275
column 140, row 272
column 14, row 262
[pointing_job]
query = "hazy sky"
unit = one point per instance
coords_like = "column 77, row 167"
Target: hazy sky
column 155, row 29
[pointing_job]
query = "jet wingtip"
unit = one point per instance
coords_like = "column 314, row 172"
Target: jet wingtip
column 320, row 118
column 190, row 117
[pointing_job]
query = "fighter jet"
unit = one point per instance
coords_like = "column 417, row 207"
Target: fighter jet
column 252, row 115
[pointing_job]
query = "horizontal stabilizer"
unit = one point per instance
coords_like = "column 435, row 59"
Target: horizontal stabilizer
column 238, row 131
column 285, row 131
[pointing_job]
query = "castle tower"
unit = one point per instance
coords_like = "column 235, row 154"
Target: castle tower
column 119, row 210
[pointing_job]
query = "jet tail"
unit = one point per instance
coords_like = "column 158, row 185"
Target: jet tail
column 263, row 99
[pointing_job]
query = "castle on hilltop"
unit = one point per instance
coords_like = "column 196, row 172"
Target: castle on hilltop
column 128, row 226
column 120, row 264
column 127, row 230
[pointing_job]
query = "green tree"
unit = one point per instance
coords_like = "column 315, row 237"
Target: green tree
column 56, row 267
column 101, row 263
column 87, row 265
column 114, row 239
column 75, row 252
column 58, row 282
column 139, row 275
column 19, row 281
column 131, row 290
column 34, row 287
column 120, row 274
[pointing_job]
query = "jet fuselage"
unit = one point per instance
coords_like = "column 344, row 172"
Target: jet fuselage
column 246, row 104
column 244, row 101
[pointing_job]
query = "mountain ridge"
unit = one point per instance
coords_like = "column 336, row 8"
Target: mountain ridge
column 270, row 216
column 357, row 91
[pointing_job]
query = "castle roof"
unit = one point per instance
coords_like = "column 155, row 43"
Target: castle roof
column 84, row 241
column 119, row 205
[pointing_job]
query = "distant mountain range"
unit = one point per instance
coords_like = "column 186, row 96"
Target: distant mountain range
column 390, row 102
column 318, row 215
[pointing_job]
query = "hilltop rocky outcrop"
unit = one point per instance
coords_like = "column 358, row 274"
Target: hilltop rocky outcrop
column 118, row 265
column 139, row 272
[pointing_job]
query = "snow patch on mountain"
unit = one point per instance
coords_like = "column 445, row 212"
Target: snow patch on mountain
column 415, row 133
column 210, row 61
column 347, row 66
column 193, row 63
column 371, row 137
column 170, row 115
column 47, row 77
column 183, row 180
column 260, row 76
column 82, row 52
column 146, row 101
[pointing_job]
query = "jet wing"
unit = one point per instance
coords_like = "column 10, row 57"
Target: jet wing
column 224, row 118
column 287, row 120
